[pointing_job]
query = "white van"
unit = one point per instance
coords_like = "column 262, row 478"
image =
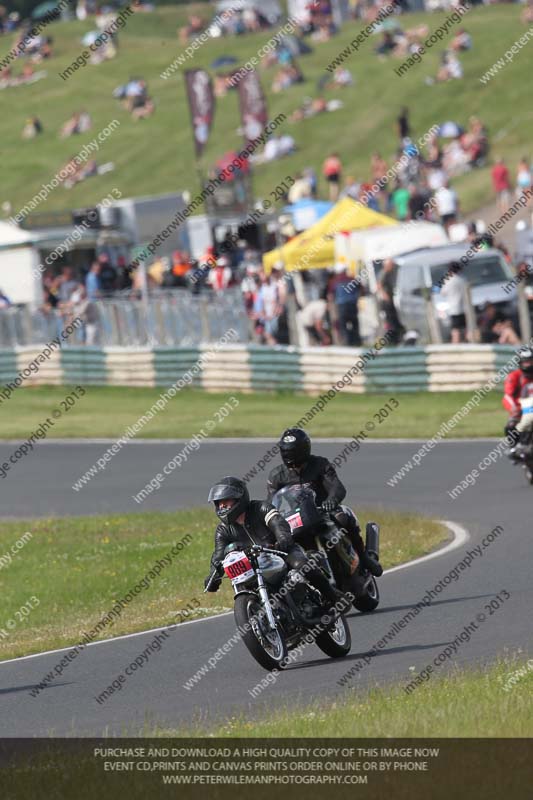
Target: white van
column 20, row 280
column 363, row 252
column 420, row 273
column 359, row 250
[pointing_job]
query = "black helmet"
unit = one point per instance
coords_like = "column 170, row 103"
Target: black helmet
column 295, row 447
column 230, row 488
column 525, row 355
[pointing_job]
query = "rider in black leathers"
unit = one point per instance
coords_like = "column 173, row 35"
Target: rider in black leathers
column 249, row 522
column 300, row 467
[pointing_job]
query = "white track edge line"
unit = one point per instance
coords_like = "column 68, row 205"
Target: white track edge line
column 460, row 537
column 246, row 440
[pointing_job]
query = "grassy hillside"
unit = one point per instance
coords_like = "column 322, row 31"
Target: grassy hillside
column 156, row 155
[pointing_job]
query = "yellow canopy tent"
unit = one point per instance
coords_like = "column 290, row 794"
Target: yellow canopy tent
column 314, row 248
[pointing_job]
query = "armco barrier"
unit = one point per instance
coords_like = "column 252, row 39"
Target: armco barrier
column 8, row 366
column 399, row 370
column 240, row 368
column 229, row 369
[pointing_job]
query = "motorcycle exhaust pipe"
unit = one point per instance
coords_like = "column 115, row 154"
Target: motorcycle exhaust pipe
column 372, row 539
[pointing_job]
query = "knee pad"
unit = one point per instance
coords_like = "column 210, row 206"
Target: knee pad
column 347, row 519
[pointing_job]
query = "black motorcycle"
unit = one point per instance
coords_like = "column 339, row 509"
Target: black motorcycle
column 314, row 530
column 276, row 608
column 525, row 454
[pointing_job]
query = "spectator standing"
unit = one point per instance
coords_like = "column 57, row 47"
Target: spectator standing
column 67, row 285
column 402, row 124
column 310, row 175
column 267, row 308
column 501, row 183
column 447, row 204
column 124, row 274
column 344, row 292
column 249, row 288
column 332, row 171
column 379, row 170
column 454, row 291
column 108, row 274
column 417, row 202
column 197, row 276
column 180, row 267
column 386, row 282
column 284, row 287
column 313, row 318
column 299, row 189
column 219, row 277
column 92, row 282
column 400, row 201
column 351, row 188
column 87, row 311
column 523, row 178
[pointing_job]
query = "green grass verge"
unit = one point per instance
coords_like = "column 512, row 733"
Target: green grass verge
column 79, row 568
column 149, row 44
column 470, row 703
column 107, row 412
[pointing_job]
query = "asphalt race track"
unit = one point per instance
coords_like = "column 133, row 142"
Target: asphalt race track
column 40, row 485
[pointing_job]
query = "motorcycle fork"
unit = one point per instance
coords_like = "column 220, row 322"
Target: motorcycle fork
column 265, row 600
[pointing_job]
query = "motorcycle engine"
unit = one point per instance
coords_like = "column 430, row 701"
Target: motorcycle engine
column 297, row 586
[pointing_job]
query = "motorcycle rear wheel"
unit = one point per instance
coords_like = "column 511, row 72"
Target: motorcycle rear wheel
column 336, row 641
column 267, row 647
column 369, row 601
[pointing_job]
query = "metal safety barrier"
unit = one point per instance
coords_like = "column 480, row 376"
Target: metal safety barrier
column 171, row 318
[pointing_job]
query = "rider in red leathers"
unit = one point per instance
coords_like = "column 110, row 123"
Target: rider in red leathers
column 517, row 384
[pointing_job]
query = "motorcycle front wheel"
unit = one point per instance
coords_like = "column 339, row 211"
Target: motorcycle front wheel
column 528, row 467
column 265, row 645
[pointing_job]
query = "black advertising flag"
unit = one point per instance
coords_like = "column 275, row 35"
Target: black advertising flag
column 254, row 115
column 202, row 105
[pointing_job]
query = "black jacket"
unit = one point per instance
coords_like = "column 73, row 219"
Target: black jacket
column 262, row 525
column 318, row 473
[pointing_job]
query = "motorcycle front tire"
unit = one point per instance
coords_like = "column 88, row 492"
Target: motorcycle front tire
column 243, row 611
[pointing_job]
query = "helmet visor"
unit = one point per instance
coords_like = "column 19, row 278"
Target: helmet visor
column 221, row 491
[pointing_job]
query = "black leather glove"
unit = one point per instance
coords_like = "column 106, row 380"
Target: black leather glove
column 217, row 580
column 329, row 505
column 283, row 543
column 215, row 584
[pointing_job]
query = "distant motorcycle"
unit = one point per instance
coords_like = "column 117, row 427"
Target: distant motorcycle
column 525, row 455
column 275, row 607
column 524, row 450
column 340, row 562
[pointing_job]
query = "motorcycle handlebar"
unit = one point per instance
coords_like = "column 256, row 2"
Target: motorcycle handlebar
column 254, row 550
column 213, row 575
column 257, row 548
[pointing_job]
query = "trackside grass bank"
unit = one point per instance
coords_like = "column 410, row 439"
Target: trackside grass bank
column 77, row 580
column 470, row 703
column 502, row 104
column 108, row 411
